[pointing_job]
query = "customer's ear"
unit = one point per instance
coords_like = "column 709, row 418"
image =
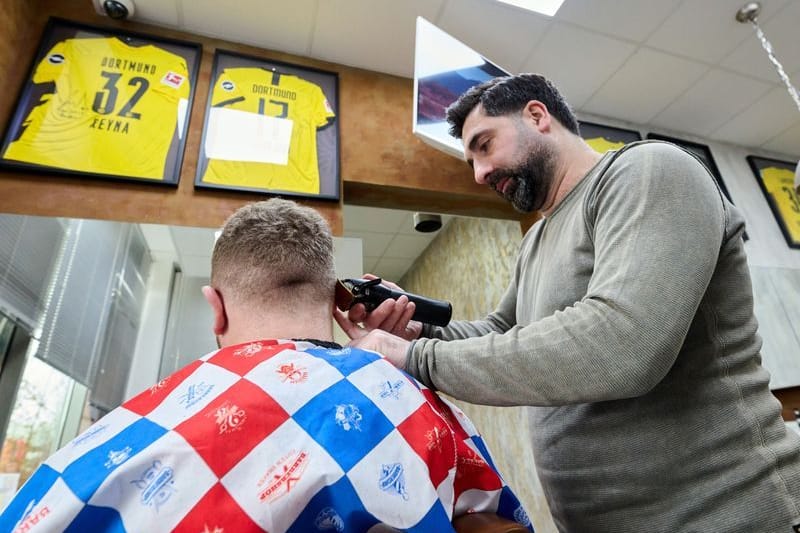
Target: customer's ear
column 214, row 299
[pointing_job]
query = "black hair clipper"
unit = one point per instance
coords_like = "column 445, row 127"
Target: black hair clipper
column 371, row 293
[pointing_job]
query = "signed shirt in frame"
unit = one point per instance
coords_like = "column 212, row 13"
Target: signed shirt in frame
column 262, row 130
column 115, row 109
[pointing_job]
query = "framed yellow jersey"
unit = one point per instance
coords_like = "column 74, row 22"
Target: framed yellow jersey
column 776, row 180
column 603, row 138
column 270, row 127
column 103, row 104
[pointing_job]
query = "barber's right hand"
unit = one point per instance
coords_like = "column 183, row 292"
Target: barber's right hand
column 393, row 316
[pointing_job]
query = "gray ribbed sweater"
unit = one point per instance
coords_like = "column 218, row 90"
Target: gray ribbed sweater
column 629, row 327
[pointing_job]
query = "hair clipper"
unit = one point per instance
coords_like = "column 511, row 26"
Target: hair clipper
column 371, row 293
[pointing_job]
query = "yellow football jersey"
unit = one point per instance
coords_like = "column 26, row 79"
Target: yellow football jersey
column 603, row 145
column 114, row 110
column 779, row 182
column 298, row 105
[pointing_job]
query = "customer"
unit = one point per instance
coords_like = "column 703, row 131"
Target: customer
column 279, row 430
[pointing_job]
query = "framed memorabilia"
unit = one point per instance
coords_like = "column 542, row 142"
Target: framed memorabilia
column 104, row 103
column 270, row 127
column 776, row 179
column 604, row 138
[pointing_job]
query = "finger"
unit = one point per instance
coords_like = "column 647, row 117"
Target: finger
column 390, row 322
column 402, row 324
column 350, row 328
column 378, row 317
column 357, row 313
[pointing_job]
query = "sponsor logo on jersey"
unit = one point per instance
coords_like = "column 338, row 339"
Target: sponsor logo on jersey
column 521, row 517
column 228, row 85
column 471, row 459
column 30, row 519
column 56, row 59
column 434, row 437
column 160, row 385
column 156, row 484
column 393, row 480
column 293, row 374
column 348, row 417
column 391, row 390
column 173, row 79
column 249, row 350
column 282, row 476
column 329, row 520
column 229, row 417
column 207, row 529
column 90, row 434
column 195, row 393
column 116, row 458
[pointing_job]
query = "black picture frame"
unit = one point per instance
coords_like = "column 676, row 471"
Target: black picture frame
column 776, row 180
column 270, row 127
column 604, row 138
column 702, row 152
column 103, row 103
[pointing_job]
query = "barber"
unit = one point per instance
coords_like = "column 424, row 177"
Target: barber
column 628, row 329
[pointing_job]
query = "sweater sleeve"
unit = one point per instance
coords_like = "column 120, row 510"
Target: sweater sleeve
column 657, row 222
column 499, row 321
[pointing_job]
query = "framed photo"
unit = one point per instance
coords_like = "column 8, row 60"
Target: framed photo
column 604, row 138
column 776, row 179
column 105, row 104
column 270, row 127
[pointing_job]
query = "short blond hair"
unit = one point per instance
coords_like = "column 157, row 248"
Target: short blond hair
column 274, row 252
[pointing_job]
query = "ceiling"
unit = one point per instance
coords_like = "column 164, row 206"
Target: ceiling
column 673, row 66
column 678, row 65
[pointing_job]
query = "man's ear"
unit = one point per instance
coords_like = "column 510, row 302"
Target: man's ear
column 537, row 112
column 214, row 299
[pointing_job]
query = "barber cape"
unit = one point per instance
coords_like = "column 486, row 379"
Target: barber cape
column 270, row 435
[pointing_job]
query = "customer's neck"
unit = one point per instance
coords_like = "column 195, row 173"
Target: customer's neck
column 309, row 322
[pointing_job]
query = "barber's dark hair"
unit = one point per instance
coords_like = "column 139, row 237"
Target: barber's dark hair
column 509, row 94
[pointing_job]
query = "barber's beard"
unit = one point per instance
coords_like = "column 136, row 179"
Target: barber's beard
column 530, row 179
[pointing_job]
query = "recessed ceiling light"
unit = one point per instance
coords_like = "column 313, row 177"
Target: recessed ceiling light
column 545, row 7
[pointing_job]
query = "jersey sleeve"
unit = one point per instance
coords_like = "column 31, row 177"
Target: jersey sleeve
column 174, row 82
column 323, row 112
column 54, row 63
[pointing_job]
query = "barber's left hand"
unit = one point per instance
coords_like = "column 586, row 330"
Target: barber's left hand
column 392, row 347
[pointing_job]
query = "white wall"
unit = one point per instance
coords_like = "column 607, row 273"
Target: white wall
column 152, row 327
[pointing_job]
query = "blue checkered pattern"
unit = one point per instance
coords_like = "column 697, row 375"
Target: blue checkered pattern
column 269, row 436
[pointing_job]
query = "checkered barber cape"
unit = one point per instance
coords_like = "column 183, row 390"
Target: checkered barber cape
column 275, row 436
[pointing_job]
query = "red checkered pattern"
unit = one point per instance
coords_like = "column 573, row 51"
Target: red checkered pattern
column 269, row 436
